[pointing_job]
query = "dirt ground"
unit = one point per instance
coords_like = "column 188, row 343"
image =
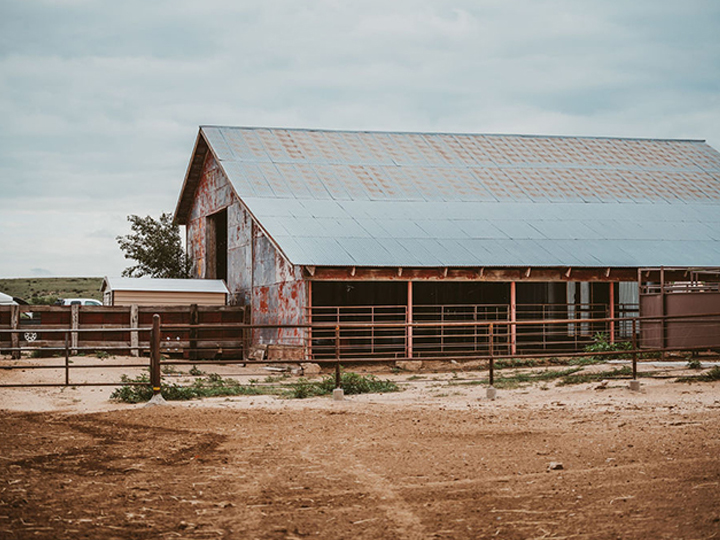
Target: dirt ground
column 437, row 460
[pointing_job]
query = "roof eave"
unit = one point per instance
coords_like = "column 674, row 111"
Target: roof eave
column 192, row 179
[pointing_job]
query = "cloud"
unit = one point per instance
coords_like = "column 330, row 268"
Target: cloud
column 101, row 101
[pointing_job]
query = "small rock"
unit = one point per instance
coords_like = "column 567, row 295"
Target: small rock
column 602, row 385
column 310, row 368
column 555, row 466
column 409, row 365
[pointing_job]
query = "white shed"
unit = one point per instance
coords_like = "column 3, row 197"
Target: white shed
column 6, row 299
column 122, row 291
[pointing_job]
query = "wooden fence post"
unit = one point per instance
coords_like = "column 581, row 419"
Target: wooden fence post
column 67, row 360
column 155, row 355
column 134, row 337
column 74, row 325
column 15, row 336
column 194, row 319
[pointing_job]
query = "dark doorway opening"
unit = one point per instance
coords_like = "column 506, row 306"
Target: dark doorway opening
column 217, row 246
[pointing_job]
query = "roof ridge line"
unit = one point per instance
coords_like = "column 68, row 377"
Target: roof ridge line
column 395, row 132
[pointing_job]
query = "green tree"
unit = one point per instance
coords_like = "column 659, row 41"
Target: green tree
column 156, row 247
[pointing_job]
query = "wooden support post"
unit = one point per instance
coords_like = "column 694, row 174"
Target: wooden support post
column 67, row 360
column 612, row 312
column 410, row 319
column 194, row 319
column 74, row 325
column 513, row 318
column 155, row 355
column 134, row 338
column 15, row 336
column 663, row 324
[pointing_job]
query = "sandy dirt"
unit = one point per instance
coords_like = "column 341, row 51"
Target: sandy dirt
column 437, row 460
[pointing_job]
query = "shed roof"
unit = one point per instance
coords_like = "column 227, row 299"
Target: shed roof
column 359, row 198
column 6, row 299
column 164, row 285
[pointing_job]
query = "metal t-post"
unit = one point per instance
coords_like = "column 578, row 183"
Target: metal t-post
column 634, row 384
column 155, row 375
column 338, row 393
column 491, row 391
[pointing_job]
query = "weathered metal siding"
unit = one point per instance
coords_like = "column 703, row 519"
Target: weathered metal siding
column 240, row 254
column 258, row 275
column 213, row 193
column 279, row 294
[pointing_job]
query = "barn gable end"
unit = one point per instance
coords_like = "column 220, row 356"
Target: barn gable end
column 257, row 273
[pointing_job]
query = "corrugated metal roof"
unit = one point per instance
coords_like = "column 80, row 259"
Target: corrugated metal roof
column 339, row 198
column 165, row 285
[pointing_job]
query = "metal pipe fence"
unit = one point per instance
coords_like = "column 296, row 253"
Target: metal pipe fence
column 349, row 341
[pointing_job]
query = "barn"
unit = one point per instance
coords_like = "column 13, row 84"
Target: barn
column 377, row 228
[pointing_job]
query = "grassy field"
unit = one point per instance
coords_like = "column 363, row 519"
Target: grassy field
column 47, row 290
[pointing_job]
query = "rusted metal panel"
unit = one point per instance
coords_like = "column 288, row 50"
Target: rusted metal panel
column 680, row 332
column 196, row 247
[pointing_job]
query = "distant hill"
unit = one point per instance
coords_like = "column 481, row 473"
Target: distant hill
column 47, row 290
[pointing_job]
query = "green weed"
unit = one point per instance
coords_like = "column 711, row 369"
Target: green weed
column 580, row 378
column 518, row 379
column 351, row 383
column 709, row 376
column 694, row 363
column 196, row 372
column 276, row 378
column 601, row 343
column 515, row 363
column 137, row 390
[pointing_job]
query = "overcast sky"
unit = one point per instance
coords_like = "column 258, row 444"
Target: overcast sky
column 100, row 101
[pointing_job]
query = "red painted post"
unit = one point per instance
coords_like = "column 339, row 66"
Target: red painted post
column 309, row 331
column 491, row 338
column 634, row 347
column 410, row 319
column 513, row 318
column 155, row 355
column 612, row 312
column 337, row 356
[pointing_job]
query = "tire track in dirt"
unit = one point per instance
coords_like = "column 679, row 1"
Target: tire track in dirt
column 394, row 506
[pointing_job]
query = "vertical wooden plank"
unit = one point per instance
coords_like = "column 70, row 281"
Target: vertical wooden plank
column 134, row 338
column 194, row 319
column 15, row 324
column 67, row 360
column 663, row 340
column 74, row 325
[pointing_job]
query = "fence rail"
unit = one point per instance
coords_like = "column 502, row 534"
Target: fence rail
column 346, row 341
